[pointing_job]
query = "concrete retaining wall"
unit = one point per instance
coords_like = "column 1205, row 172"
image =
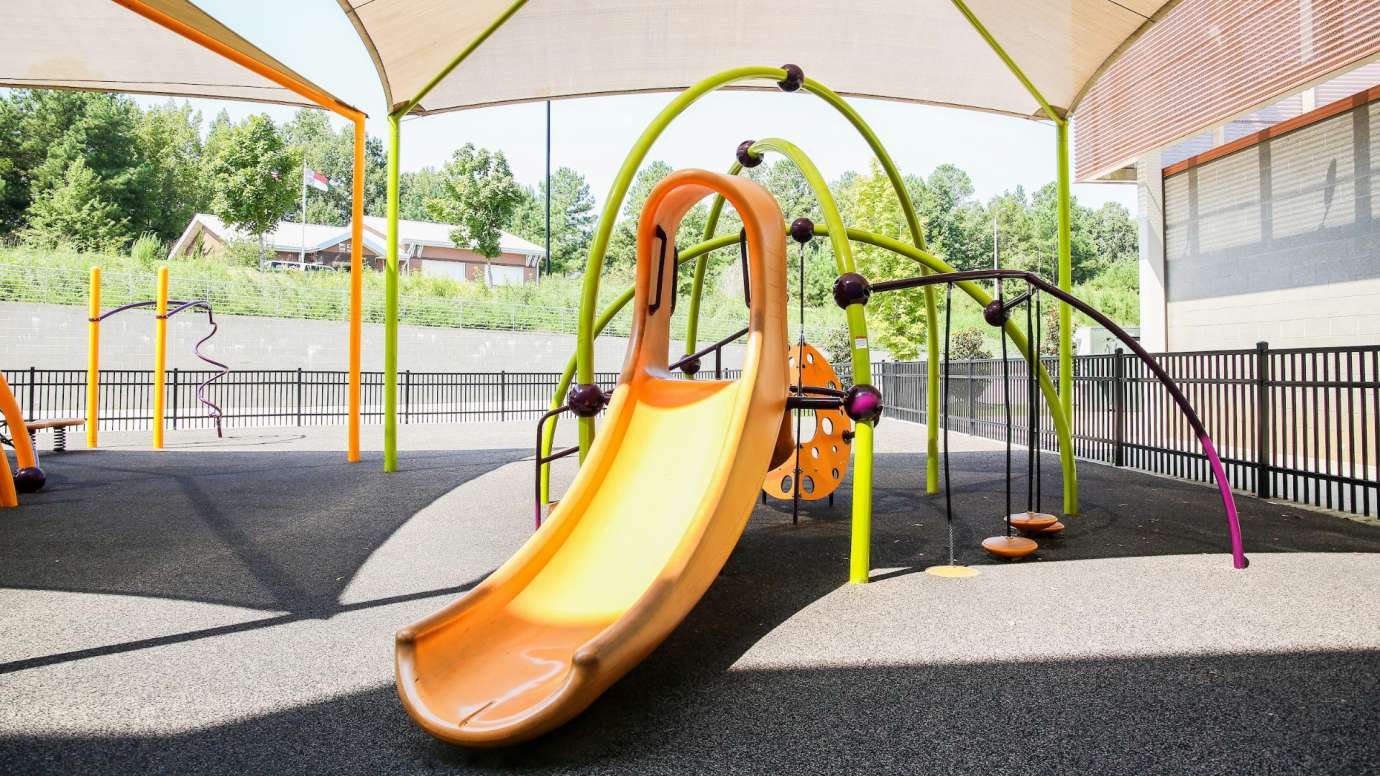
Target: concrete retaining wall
column 54, row 337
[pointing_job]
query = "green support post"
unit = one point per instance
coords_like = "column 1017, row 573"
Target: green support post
column 1065, row 272
column 390, row 320
column 1065, row 278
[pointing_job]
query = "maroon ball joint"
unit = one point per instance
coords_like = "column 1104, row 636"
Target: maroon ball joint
column 802, row 230
column 850, row 288
column 995, row 313
column 863, row 403
column 795, row 78
column 30, row 479
column 745, row 155
column 586, row 400
column 691, row 367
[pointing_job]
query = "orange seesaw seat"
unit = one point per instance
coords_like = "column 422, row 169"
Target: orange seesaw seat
column 1010, row 546
column 652, row 515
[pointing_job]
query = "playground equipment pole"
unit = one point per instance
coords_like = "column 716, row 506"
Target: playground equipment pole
column 860, row 550
column 917, row 234
column 357, row 230
column 390, row 306
column 390, row 312
column 1065, row 279
column 23, row 448
column 160, row 357
column 356, row 293
column 1065, row 272
column 93, row 359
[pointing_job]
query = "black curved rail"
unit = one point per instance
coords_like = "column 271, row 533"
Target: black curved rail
column 212, row 409
column 1210, row 451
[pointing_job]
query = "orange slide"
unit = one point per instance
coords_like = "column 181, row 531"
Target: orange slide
column 656, row 508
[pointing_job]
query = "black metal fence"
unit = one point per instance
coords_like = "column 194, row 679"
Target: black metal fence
column 289, row 397
column 1293, row 424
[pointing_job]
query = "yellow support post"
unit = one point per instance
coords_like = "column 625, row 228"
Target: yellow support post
column 93, row 359
column 160, row 357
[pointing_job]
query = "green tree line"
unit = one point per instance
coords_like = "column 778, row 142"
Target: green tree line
column 97, row 172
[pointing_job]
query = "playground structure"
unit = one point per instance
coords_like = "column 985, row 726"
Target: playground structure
column 582, row 638
column 603, row 581
column 164, row 309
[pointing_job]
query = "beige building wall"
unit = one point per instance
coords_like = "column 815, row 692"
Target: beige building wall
column 1275, row 237
column 1312, row 316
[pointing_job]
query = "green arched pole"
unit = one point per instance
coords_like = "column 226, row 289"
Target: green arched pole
column 917, row 234
column 860, row 549
column 1058, row 418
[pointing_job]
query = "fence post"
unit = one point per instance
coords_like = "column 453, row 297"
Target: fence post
column 174, row 398
column 503, row 395
column 1262, row 419
column 1119, row 408
column 299, row 395
column 972, row 402
column 407, row 395
column 33, row 381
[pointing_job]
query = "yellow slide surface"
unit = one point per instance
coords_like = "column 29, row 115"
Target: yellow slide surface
column 656, row 508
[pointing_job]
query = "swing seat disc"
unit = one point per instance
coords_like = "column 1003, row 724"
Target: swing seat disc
column 1010, row 546
column 1052, row 529
column 824, row 455
column 1032, row 521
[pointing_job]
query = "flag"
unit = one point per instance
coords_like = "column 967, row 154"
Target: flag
column 316, row 180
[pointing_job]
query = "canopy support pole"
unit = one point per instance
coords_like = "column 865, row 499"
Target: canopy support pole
column 390, row 312
column 356, row 292
column 390, row 305
column 357, row 230
column 1065, row 269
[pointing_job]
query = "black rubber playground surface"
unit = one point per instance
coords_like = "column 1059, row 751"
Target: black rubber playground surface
column 286, row 532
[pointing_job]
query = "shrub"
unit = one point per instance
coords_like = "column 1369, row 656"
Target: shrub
column 146, row 250
column 968, row 345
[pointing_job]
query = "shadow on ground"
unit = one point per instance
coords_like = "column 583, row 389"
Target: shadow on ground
column 279, row 531
column 302, row 524
column 1292, row 713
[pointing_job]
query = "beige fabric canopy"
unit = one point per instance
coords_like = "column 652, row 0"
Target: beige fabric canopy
column 99, row 45
column 912, row 50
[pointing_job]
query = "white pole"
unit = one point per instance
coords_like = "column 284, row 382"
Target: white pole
column 302, row 253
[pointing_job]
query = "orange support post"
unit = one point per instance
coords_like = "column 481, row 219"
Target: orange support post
column 23, row 448
column 357, row 234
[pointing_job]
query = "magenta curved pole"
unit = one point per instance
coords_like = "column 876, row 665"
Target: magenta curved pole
column 1219, row 473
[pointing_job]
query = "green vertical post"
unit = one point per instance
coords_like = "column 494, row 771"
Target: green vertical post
column 1065, row 283
column 390, row 308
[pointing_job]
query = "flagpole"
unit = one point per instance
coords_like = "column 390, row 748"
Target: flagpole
column 302, row 253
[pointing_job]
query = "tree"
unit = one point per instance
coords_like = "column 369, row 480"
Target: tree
column 572, row 218
column 1114, row 233
column 252, row 175
column 415, row 189
column 896, row 320
column 622, row 248
column 169, row 138
column 47, row 130
column 75, row 214
column 480, row 197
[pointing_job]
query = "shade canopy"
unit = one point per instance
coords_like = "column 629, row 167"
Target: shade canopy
column 913, row 50
column 99, row 45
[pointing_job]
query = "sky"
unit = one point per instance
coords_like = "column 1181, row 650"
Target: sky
column 593, row 135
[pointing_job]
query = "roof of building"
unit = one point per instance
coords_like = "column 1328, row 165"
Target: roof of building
column 289, row 236
column 432, row 233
